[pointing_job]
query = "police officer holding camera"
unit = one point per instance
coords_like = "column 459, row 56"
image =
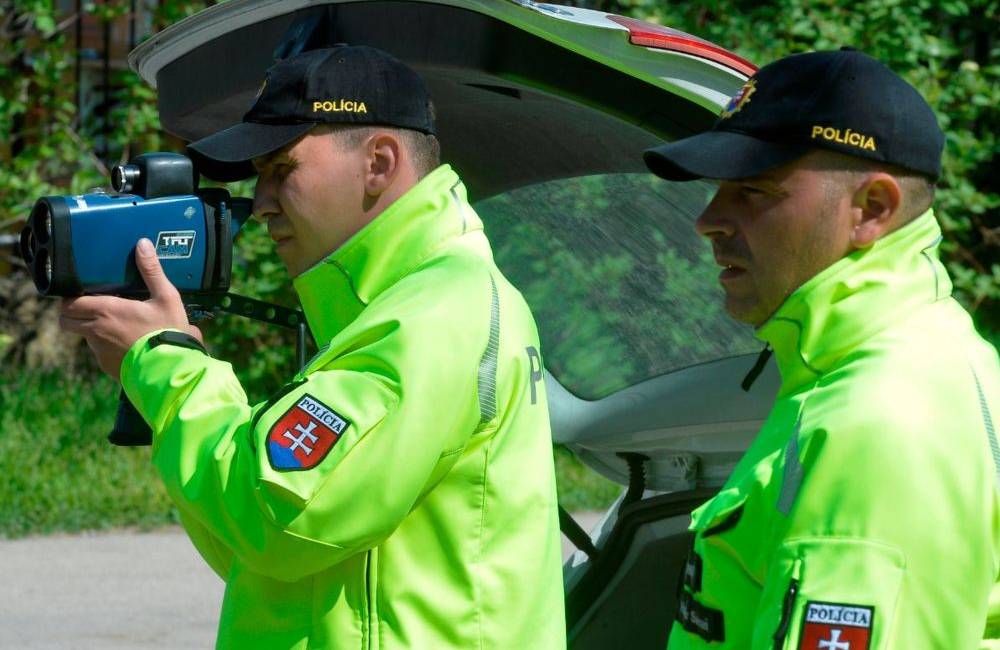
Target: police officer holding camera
column 399, row 491
column 866, row 513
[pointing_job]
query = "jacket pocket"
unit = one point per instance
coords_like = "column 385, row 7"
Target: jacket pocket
column 841, row 591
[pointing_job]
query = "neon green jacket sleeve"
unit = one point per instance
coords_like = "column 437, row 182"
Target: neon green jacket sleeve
column 399, row 490
column 866, row 513
column 278, row 528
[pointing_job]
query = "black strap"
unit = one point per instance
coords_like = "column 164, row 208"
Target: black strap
column 758, row 368
column 698, row 619
column 575, row 534
column 180, row 339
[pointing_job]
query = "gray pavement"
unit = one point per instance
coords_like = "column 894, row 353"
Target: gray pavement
column 107, row 591
column 119, row 590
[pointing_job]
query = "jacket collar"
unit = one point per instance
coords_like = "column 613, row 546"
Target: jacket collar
column 855, row 299
column 335, row 291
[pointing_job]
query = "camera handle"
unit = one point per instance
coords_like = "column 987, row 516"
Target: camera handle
column 131, row 430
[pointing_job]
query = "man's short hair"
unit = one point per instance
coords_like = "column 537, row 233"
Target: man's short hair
column 917, row 189
column 423, row 148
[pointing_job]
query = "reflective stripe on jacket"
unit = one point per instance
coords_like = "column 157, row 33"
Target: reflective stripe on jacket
column 399, row 492
column 865, row 514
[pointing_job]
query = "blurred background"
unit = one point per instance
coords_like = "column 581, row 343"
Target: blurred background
column 70, row 109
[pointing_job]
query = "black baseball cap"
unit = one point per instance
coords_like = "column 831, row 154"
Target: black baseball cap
column 841, row 100
column 343, row 84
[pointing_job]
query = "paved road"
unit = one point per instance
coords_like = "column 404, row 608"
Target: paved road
column 114, row 591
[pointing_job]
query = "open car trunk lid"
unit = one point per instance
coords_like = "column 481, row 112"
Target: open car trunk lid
column 515, row 84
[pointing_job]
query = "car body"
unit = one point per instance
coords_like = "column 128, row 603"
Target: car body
column 544, row 111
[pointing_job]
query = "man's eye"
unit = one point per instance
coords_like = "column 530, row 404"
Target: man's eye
column 751, row 190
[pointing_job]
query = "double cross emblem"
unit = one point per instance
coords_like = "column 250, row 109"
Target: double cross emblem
column 834, row 642
column 306, row 432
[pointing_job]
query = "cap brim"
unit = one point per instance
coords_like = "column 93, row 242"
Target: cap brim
column 226, row 156
column 722, row 155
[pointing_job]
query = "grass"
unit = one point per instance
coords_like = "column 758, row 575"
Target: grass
column 581, row 488
column 57, row 470
column 58, row 473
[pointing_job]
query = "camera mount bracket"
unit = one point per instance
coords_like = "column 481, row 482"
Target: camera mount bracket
column 204, row 306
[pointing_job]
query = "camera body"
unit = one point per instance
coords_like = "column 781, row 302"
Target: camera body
column 85, row 244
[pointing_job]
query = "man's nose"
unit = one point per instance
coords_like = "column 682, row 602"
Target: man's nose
column 265, row 202
column 713, row 221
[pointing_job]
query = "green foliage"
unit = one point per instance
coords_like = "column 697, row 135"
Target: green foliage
column 42, row 151
column 57, row 470
column 45, row 147
column 581, row 488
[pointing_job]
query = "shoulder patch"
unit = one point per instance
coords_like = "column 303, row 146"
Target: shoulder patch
column 304, row 435
column 836, row 626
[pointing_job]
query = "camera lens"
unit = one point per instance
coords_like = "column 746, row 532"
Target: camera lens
column 27, row 245
column 41, row 221
column 124, row 178
column 42, row 271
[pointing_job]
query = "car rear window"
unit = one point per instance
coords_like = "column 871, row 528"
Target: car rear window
column 621, row 286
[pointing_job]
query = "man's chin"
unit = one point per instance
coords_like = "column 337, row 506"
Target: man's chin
column 291, row 262
column 745, row 311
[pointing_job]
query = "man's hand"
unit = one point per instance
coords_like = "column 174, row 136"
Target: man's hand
column 111, row 325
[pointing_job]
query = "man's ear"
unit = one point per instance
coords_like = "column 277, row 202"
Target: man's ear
column 382, row 164
column 875, row 206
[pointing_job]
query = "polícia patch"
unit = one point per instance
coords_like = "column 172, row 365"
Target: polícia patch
column 304, row 435
column 836, row 626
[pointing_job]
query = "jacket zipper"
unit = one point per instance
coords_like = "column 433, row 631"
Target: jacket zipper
column 786, row 614
column 371, row 617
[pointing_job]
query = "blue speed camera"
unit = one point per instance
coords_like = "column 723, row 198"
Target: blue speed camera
column 85, row 244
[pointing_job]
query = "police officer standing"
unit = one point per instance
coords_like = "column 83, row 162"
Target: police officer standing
column 865, row 514
column 399, row 491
